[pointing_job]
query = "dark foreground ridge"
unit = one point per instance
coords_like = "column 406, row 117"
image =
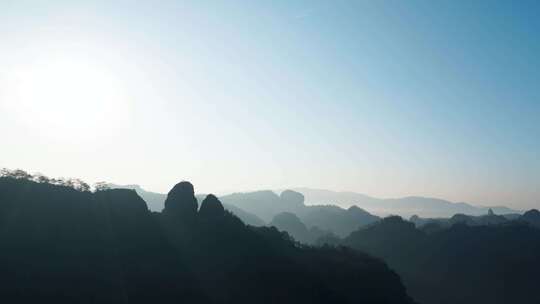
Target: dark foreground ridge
column 61, row 245
column 463, row 263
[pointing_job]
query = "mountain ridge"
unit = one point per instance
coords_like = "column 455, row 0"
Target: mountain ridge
column 403, row 206
column 59, row 244
column 374, row 205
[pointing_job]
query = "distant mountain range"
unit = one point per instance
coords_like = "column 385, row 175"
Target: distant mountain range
column 405, row 207
column 532, row 217
column 317, row 212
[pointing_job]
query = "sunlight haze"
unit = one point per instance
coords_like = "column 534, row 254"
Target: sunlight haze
column 419, row 98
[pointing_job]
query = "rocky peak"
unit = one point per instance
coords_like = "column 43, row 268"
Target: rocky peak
column 211, row 207
column 181, row 201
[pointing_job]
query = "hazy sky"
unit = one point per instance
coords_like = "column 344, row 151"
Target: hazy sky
column 387, row 98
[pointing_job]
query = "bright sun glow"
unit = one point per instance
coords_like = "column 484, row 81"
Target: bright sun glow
column 66, row 96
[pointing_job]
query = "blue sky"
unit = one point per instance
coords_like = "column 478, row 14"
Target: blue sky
column 387, row 98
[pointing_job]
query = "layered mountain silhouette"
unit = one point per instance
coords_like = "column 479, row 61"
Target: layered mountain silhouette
column 490, row 218
column 266, row 204
column 317, row 218
column 476, row 260
column 338, row 220
column 156, row 202
column 260, row 207
column 406, row 207
column 291, row 224
column 61, row 245
column 320, row 211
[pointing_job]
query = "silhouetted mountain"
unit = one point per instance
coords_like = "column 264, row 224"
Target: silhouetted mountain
column 407, row 206
column 328, row 218
column 495, row 263
column 292, row 198
column 290, row 223
column 60, row 245
column 211, row 207
column 321, row 237
column 265, row 204
column 246, row 217
column 532, row 217
column 340, row 221
column 181, row 202
column 512, row 216
column 156, row 202
column 392, row 237
column 489, row 219
column 328, row 240
column 252, row 206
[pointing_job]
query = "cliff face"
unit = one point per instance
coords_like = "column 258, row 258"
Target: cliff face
column 65, row 246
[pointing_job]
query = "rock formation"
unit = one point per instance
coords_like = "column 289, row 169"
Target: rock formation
column 181, row 202
column 211, row 207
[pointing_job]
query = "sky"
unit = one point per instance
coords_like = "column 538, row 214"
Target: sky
column 385, row 98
